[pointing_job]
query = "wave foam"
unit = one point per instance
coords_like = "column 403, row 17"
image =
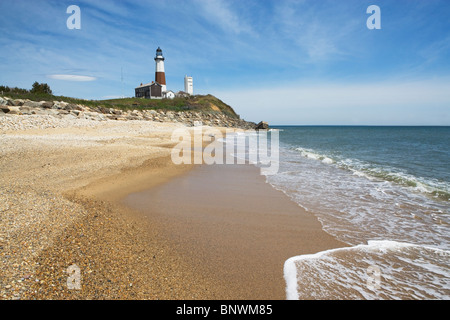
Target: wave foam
column 315, row 156
column 359, row 168
column 405, row 271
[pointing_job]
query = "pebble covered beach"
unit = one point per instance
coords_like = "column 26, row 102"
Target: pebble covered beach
column 46, row 225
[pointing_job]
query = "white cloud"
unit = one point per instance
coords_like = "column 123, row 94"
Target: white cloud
column 71, row 77
column 219, row 12
column 322, row 32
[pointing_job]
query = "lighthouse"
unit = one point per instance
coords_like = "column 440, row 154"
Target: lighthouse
column 157, row 89
column 160, row 75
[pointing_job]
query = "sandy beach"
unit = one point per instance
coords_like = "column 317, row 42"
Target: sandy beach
column 106, row 197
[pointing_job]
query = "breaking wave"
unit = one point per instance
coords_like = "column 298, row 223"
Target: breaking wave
column 431, row 187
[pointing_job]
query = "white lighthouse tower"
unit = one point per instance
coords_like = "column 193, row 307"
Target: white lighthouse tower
column 160, row 75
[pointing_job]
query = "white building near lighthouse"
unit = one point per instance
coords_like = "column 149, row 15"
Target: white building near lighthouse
column 188, row 85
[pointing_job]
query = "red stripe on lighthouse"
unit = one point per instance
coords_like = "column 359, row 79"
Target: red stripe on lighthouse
column 160, row 77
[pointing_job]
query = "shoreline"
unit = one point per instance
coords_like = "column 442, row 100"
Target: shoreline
column 63, row 208
column 233, row 227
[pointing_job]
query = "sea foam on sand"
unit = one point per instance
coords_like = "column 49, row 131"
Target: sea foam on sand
column 377, row 270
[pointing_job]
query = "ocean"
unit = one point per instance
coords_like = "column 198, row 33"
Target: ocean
column 385, row 192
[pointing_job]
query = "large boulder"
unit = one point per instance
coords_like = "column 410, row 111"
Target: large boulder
column 59, row 104
column 32, row 104
column 262, row 126
column 18, row 102
column 25, row 110
column 7, row 102
column 103, row 110
column 71, row 106
column 5, row 109
column 14, row 110
column 47, row 104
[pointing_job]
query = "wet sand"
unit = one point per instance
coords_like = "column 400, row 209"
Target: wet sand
column 232, row 228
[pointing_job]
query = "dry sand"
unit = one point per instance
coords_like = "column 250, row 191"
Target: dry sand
column 61, row 192
column 45, row 226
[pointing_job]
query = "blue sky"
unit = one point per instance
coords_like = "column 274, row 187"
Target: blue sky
column 286, row 62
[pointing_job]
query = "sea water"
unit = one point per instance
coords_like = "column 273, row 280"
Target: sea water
column 385, row 192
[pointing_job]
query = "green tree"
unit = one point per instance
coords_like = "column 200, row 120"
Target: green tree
column 41, row 88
